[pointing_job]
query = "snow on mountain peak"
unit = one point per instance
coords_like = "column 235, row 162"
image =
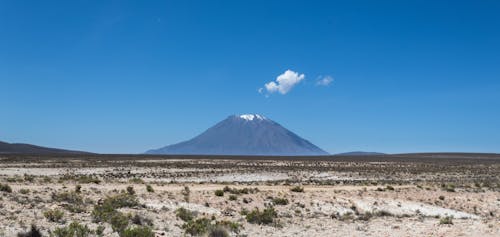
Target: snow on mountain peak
column 250, row 117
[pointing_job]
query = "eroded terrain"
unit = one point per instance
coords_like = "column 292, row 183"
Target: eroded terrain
column 426, row 195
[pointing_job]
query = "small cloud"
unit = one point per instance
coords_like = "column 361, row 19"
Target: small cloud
column 324, row 80
column 284, row 82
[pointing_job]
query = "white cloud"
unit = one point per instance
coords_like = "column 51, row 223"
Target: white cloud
column 324, row 81
column 284, row 82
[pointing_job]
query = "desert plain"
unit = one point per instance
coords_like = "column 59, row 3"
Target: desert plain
column 447, row 194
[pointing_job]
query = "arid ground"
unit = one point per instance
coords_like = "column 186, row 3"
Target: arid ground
column 115, row 195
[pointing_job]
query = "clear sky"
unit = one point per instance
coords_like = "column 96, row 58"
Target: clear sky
column 127, row 76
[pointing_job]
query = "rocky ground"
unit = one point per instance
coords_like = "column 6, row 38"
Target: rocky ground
column 228, row 197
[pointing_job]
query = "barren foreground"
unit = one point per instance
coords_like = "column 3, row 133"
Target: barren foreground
column 413, row 195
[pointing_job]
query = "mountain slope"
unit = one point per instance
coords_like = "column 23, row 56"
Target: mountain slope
column 19, row 148
column 249, row 134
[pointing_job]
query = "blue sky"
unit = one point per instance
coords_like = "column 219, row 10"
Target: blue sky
column 127, row 76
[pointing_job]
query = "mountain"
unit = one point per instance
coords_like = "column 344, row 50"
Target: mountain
column 360, row 153
column 248, row 134
column 6, row 148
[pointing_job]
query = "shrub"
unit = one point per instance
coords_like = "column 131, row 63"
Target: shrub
column 184, row 214
column 80, row 179
column 69, row 197
column 106, row 210
column 34, row 232
column 233, row 226
column 140, row 220
column 78, row 188
column 29, row 178
column 75, row 229
column 149, row 188
column 197, row 227
column 297, row 189
column 441, row 197
column 136, row 180
column 139, row 231
column 54, row 215
column 219, row 193
column 447, row 220
column 130, row 190
column 380, row 189
column 24, row 191
column 186, row 193
column 218, row 231
column 5, row 188
column 233, row 197
column 280, row 201
column 262, row 217
column 390, row 188
column 118, row 222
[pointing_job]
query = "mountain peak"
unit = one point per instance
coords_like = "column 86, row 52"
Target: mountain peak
column 250, row 117
column 246, row 134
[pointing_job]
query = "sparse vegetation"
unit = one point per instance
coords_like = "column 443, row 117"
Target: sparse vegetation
column 138, row 231
column 297, row 189
column 197, row 227
column 280, row 201
column 447, row 220
column 54, row 215
column 5, row 188
column 262, row 217
column 74, row 229
column 219, row 193
column 184, row 214
column 233, row 197
column 130, row 190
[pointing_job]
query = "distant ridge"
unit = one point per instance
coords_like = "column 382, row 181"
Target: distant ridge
column 21, row 148
column 360, row 153
column 247, row 134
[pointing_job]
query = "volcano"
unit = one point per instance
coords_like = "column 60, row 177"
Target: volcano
column 247, row 134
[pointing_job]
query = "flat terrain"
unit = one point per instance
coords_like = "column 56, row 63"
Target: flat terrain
column 446, row 194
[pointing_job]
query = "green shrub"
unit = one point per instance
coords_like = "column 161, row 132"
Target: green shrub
column 197, row 227
column 184, row 214
column 29, row 178
column 280, row 201
column 119, row 222
column 233, row 197
column 219, row 193
column 75, row 229
column 149, row 188
column 233, row 226
column 24, row 191
column 447, row 220
column 106, row 210
column 5, row 188
column 80, row 178
column 138, row 231
column 69, row 197
column 390, row 188
column 262, row 217
column 54, row 215
column 297, row 189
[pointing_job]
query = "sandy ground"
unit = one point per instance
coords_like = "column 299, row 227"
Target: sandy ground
column 378, row 199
